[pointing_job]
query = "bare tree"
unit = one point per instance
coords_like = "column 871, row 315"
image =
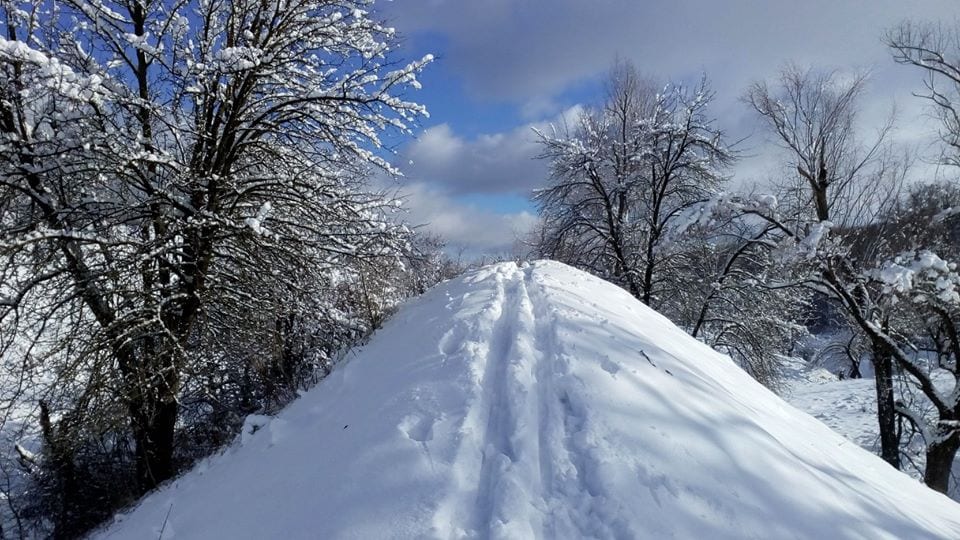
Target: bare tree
column 812, row 115
column 935, row 50
column 921, row 293
column 727, row 294
column 920, row 275
column 594, row 180
column 623, row 199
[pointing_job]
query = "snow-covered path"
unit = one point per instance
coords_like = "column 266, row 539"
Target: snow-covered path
column 524, row 389
column 540, row 402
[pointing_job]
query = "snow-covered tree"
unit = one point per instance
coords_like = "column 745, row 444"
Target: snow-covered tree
column 921, row 293
column 842, row 187
column 624, row 200
column 918, row 285
column 838, row 231
column 623, row 174
column 730, row 289
column 158, row 159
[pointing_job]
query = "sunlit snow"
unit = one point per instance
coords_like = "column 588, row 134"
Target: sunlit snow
column 539, row 402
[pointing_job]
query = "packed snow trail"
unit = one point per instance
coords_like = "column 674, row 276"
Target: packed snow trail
column 539, row 402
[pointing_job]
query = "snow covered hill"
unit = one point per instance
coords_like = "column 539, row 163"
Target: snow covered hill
column 539, row 402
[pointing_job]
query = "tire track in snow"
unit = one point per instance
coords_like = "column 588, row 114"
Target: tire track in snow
column 524, row 466
column 549, row 424
column 503, row 507
column 457, row 514
column 575, row 507
column 496, row 442
column 545, row 372
column 562, row 476
column 489, row 496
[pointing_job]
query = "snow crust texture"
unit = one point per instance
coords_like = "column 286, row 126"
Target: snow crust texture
column 539, row 402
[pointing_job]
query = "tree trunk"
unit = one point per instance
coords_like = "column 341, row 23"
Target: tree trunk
column 940, row 458
column 886, row 410
column 855, row 370
column 153, row 415
column 153, row 433
column 647, row 294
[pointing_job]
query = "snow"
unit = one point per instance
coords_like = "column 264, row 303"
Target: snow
column 945, row 214
column 539, row 402
column 849, row 407
column 818, row 231
column 920, row 270
column 256, row 223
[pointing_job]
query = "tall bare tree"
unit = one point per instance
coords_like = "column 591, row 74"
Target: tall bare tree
column 812, row 115
column 921, row 275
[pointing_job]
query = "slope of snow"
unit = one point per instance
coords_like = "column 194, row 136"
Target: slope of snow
column 849, row 407
column 539, row 402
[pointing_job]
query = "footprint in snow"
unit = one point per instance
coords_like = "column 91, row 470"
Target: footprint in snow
column 609, row 366
column 417, row 427
column 452, row 340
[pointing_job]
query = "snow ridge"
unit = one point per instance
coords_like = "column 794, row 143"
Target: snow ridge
column 536, row 401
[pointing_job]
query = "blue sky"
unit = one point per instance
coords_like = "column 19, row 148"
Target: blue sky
column 506, row 66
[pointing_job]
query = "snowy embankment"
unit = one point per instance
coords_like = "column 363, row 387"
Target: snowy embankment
column 540, row 402
column 849, row 407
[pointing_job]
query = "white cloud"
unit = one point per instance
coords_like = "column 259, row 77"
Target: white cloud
column 438, row 148
column 490, row 163
column 524, row 50
column 539, row 107
column 476, row 230
column 529, row 52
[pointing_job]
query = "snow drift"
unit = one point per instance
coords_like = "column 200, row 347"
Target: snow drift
column 539, row 402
